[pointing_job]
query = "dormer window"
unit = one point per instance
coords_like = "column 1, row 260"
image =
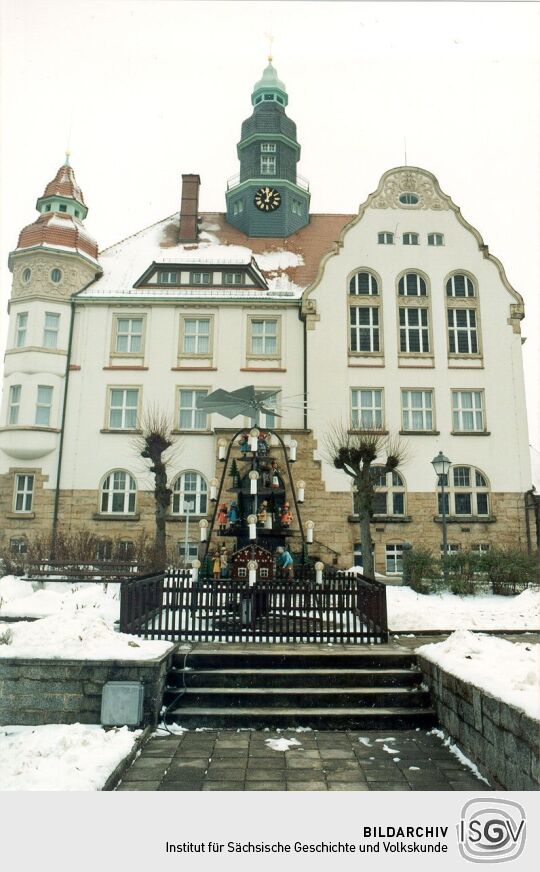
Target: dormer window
column 201, row 278
column 268, row 147
column 168, row 278
column 48, row 207
column 268, row 165
column 63, row 207
column 233, row 278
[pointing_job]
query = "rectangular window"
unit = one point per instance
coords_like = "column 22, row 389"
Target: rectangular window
column 201, row 278
column 385, row 238
column 367, row 408
column 14, row 404
column 463, row 503
column 435, row 239
column 168, row 278
column 190, row 417
column 129, row 335
column 104, row 549
column 462, row 331
column 480, row 547
column 482, row 505
column 264, row 337
column 18, row 546
column 43, row 405
column 192, row 551
column 467, row 411
column 410, row 239
column 124, row 405
column 196, row 338
column 398, row 503
column 20, row 329
column 233, row 278
column 413, row 331
column 451, row 548
column 268, row 165
column 63, row 207
column 266, row 418
column 364, row 328
column 394, row 559
column 268, row 147
column 24, row 493
column 50, row 330
column 440, row 504
column 238, row 207
column 417, row 410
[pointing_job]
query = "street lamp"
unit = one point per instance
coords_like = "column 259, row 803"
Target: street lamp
column 441, row 465
column 187, row 508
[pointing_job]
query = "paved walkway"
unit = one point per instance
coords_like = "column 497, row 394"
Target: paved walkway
column 230, row 760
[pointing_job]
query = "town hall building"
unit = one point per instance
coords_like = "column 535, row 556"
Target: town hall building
column 396, row 319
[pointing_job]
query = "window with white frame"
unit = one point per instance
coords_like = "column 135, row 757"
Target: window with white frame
column 412, row 285
column 43, row 405
column 417, row 410
column 435, row 239
column 267, row 419
column 189, row 416
column 24, row 493
column 468, row 411
column 18, row 545
column 462, row 331
column 410, row 239
column 104, row 549
column 190, row 488
column 196, row 336
column 238, row 207
column 14, row 405
column 20, row 329
column 233, row 278
column 357, row 559
column 364, row 328
column 367, row 411
column 467, row 493
column 363, row 283
column 50, row 330
column 268, row 147
column 118, row 493
column 459, row 285
column 123, row 408
column 268, row 164
column 201, row 278
column 166, row 277
column 480, row 547
column 413, row 331
column 189, row 554
column 129, row 335
column 389, row 496
column 385, row 238
column 264, row 337
column 394, row 559
column 297, row 207
column 451, row 548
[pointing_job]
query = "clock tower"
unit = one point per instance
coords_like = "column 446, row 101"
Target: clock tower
column 268, row 198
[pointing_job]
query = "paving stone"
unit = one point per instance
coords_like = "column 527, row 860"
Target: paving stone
column 306, row 785
column 341, row 765
column 303, row 774
column 265, row 785
column 265, row 763
column 223, row 785
column 332, row 754
column 143, row 773
column 189, row 762
column 298, row 756
column 138, row 785
column 385, row 775
column 303, row 763
column 184, row 774
column 429, row 785
column 225, row 775
column 265, row 775
column 267, row 752
column 348, row 785
column 229, row 752
column 226, row 763
column 180, row 785
column 389, row 785
column 343, row 775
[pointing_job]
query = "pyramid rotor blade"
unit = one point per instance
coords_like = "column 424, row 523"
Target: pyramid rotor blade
column 268, row 411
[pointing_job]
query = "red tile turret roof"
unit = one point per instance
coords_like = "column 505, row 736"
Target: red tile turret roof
column 64, row 184
column 53, row 229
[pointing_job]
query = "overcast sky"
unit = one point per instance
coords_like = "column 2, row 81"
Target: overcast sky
column 144, row 91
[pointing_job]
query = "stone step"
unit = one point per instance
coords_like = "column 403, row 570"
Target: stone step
column 301, row 697
column 315, row 677
column 282, row 656
column 353, row 718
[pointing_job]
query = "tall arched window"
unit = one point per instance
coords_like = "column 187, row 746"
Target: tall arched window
column 117, row 493
column 412, row 285
column 460, row 285
column 363, row 283
column 189, row 487
column 466, row 492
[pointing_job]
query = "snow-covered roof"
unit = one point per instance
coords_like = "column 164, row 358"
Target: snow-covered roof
column 286, row 265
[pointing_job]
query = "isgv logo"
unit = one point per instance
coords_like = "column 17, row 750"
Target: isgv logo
column 491, row 830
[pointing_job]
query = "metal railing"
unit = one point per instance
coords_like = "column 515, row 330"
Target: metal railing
column 95, row 570
column 343, row 608
column 234, row 181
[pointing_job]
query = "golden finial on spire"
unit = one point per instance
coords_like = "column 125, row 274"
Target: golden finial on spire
column 270, row 39
column 67, row 157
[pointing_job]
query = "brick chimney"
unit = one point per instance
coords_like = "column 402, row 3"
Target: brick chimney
column 189, row 210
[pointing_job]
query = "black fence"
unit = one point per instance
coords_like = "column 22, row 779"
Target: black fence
column 96, row 570
column 342, row 608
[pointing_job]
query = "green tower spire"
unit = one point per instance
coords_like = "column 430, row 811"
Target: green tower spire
column 268, row 198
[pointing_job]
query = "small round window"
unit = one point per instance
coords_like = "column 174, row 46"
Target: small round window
column 27, row 275
column 409, row 199
column 56, row 275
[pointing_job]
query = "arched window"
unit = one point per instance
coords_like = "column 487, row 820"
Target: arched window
column 412, row 285
column 389, row 496
column 191, row 488
column 466, row 492
column 435, row 239
column 117, row 493
column 364, row 283
column 410, row 239
column 459, row 285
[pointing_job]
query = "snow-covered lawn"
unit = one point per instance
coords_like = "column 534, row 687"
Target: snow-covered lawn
column 61, row 757
column 507, row 670
column 409, row 611
column 18, row 598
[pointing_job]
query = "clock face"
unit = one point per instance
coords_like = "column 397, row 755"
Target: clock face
column 267, row 199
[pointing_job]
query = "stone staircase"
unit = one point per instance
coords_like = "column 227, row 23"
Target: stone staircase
column 318, row 686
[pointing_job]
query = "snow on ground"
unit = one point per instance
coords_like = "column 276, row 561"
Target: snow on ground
column 20, row 598
column 83, row 635
column 61, row 756
column 457, row 752
column 282, row 744
column 408, row 610
column 506, row 670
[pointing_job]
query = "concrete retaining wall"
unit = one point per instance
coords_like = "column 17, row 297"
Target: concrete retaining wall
column 502, row 740
column 39, row 691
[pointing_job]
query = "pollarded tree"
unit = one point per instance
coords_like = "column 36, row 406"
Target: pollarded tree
column 152, row 443
column 355, row 453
